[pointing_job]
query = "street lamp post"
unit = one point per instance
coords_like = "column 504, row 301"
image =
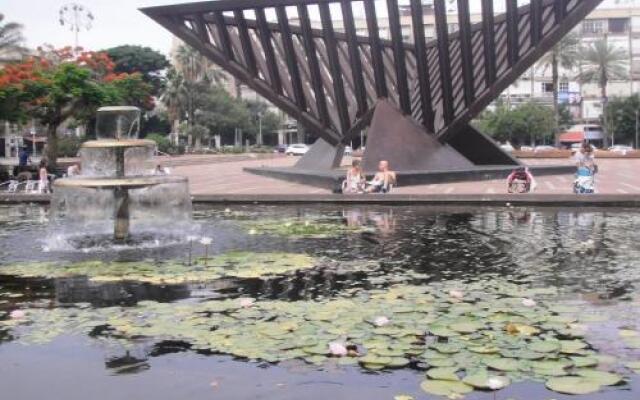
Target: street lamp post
column 637, row 115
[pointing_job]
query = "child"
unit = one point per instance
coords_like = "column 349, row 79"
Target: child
column 43, row 182
column 355, row 180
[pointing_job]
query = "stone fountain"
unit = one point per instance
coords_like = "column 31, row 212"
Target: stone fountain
column 118, row 191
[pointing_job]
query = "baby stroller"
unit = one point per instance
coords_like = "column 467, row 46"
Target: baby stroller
column 585, row 181
column 520, row 181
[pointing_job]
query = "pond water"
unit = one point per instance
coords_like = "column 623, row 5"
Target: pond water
column 326, row 301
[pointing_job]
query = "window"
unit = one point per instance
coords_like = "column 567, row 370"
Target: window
column 453, row 27
column 563, row 87
column 429, row 31
column 593, row 26
column 547, row 87
column 618, row 25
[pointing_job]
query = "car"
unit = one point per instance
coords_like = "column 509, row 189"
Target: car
column 507, row 147
column 281, row 148
column 348, row 150
column 542, row 148
column 620, row 148
column 298, row 149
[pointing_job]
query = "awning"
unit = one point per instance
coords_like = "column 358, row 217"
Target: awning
column 571, row 137
column 38, row 139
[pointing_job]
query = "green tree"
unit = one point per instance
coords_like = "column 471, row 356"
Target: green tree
column 564, row 54
column 622, row 114
column 55, row 93
column 529, row 123
column 144, row 60
column 11, row 40
column 601, row 62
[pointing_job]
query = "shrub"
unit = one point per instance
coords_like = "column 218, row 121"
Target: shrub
column 163, row 143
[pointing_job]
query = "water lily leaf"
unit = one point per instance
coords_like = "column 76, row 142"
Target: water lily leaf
column 442, row 331
column 632, row 342
column 503, row 364
column 544, row 346
column 635, row 365
column 583, row 362
column 445, row 388
column 445, row 374
column 572, row 346
column 466, row 327
column 372, row 359
column 446, row 348
column 441, row 362
column 627, row 333
column 600, row 377
column 572, row 385
column 483, row 380
column 403, row 397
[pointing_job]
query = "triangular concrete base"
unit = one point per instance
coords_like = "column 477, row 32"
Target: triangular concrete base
column 405, row 145
column 321, row 155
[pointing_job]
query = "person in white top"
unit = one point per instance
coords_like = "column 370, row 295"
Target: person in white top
column 43, row 182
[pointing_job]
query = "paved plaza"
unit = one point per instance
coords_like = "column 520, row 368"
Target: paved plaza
column 218, row 176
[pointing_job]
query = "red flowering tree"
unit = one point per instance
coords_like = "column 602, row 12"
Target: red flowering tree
column 57, row 86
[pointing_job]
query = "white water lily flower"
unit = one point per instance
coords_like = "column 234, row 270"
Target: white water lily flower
column 337, row 349
column 497, row 382
column 306, row 223
column 227, row 210
column 381, row 321
column 246, row 302
column 528, row 302
column 206, row 240
column 252, row 232
column 456, row 294
column 17, row 314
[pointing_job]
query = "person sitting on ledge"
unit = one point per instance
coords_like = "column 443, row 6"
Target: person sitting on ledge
column 355, row 181
column 384, row 179
column 520, row 181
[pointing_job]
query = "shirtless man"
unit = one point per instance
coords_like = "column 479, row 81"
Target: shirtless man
column 383, row 179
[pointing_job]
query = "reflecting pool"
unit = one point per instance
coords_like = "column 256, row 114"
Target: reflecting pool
column 316, row 302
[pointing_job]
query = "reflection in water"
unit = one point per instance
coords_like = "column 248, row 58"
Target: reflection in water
column 588, row 255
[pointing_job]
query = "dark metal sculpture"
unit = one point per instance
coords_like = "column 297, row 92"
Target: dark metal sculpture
column 333, row 81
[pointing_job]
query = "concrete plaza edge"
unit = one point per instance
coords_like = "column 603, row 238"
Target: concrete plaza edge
column 565, row 200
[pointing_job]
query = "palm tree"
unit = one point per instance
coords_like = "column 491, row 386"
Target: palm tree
column 565, row 55
column 196, row 67
column 10, row 41
column 600, row 63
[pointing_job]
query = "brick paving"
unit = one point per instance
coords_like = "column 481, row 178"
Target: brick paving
column 616, row 176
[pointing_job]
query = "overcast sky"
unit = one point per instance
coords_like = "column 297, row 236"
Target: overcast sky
column 116, row 22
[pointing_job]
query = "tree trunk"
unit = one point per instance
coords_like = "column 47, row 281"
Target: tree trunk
column 605, row 118
column 556, row 110
column 198, row 144
column 51, row 155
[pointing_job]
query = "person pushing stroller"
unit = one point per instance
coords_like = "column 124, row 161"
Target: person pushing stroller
column 586, row 168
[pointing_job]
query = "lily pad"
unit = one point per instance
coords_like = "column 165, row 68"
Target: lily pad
column 445, row 388
column 445, row 374
column 503, row 364
column 600, row 377
column 572, row 385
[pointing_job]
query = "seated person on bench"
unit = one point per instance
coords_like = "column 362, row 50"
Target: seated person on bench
column 384, row 179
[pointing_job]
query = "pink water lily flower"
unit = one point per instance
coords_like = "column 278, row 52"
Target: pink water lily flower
column 17, row 314
column 337, row 349
column 529, row 302
column 246, row 302
column 456, row 294
column 381, row 321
